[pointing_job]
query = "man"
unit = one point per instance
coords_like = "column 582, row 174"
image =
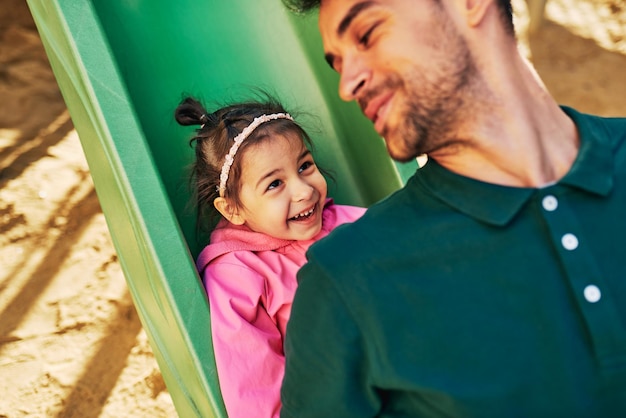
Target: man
column 494, row 283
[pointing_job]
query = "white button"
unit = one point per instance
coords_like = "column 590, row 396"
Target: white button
column 569, row 241
column 592, row 293
column 550, row 203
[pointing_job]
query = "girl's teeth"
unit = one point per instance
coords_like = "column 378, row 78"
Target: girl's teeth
column 300, row 215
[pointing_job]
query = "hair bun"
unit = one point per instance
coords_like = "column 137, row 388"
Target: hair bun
column 190, row 112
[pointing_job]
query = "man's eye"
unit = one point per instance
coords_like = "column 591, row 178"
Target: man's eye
column 365, row 38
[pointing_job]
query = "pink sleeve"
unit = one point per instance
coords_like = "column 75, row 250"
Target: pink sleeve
column 247, row 343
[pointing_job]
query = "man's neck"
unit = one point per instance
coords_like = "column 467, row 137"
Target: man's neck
column 514, row 134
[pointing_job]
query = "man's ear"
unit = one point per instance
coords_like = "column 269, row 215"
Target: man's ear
column 475, row 11
column 228, row 211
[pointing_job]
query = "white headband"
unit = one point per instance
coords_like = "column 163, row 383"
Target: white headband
column 228, row 161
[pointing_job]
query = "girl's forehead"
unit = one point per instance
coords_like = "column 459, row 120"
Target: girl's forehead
column 274, row 142
column 278, row 154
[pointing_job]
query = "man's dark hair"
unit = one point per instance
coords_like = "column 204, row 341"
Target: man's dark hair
column 301, row 6
column 506, row 10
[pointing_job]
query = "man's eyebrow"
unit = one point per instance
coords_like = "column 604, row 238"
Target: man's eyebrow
column 345, row 24
column 351, row 15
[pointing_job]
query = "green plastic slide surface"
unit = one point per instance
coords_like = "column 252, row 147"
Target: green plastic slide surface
column 123, row 66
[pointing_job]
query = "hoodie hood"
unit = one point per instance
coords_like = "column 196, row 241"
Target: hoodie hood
column 227, row 238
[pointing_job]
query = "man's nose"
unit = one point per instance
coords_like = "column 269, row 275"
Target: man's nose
column 355, row 75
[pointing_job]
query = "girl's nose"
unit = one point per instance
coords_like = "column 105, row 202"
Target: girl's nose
column 302, row 191
column 355, row 74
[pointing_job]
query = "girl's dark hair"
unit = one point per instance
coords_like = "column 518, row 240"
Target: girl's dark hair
column 214, row 139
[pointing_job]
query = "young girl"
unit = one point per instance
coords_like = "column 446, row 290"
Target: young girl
column 254, row 166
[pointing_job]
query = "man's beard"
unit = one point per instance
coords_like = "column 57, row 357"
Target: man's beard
column 434, row 107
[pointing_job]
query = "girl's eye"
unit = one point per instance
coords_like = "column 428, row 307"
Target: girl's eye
column 305, row 165
column 274, row 184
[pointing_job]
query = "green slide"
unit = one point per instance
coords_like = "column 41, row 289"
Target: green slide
column 123, row 66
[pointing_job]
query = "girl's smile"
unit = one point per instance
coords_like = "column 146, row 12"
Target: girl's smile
column 303, row 216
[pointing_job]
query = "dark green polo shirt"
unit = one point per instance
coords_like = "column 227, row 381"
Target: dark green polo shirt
column 458, row 298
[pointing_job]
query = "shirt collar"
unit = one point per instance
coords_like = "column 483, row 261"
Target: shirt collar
column 593, row 168
column 592, row 171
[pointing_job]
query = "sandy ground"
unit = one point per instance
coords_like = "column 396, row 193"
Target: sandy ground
column 71, row 344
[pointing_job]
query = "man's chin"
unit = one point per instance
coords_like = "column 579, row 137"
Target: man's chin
column 400, row 153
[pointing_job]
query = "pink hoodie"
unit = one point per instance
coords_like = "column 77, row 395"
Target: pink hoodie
column 250, row 279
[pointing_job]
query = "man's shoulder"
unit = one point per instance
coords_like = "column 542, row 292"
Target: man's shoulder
column 609, row 121
column 615, row 130
column 611, row 130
